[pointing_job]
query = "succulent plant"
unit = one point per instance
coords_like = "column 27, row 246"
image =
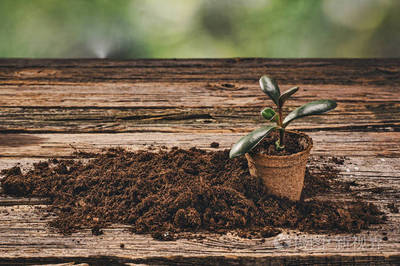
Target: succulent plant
column 270, row 87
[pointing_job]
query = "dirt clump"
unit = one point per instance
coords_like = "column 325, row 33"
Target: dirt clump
column 393, row 208
column 214, row 144
column 168, row 192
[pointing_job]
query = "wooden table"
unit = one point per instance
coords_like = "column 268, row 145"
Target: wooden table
column 51, row 107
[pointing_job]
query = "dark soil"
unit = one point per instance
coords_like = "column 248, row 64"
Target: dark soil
column 267, row 145
column 393, row 208
column 168, row 192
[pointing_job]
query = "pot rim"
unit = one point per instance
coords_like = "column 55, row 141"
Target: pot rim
column 305, row 151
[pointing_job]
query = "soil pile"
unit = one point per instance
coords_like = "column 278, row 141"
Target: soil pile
column 166, row 192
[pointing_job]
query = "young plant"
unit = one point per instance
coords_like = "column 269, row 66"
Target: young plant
column 270, row 87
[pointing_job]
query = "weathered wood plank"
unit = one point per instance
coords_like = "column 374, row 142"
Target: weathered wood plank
column 378, row 144
column 25, row 230
column 52, row 107
column 179, row 95
column 348, row 116
column 102, row 106
column 309, row 71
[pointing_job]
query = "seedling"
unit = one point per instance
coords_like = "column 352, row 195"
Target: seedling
column 270, row 87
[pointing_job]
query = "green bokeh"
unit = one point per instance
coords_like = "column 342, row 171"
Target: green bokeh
column 199, row 28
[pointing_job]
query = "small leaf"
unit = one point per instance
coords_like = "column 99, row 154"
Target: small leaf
column 278, row 146
column 268, row 113
column 246, row 143
column 312, row 108
column 286, row 95
column 271, row 88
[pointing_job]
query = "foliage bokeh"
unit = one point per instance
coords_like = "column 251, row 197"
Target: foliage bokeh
column 199, row 28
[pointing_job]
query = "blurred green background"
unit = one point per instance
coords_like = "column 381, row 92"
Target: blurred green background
column 199, row 28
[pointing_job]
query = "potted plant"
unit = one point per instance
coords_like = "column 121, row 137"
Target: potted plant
column 281, row 161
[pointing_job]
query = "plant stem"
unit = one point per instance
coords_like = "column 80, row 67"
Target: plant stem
column 281, row 130
column 282, row 136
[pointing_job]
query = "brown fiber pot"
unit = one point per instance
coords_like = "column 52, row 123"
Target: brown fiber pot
column 282, row 175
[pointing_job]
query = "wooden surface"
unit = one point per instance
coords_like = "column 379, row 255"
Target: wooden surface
column 51, row 107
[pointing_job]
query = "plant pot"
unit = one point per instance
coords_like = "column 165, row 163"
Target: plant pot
column 282, row 175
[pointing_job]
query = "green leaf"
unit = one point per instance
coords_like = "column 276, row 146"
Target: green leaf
column 269, row 114
column 271, row 88
column 246, row 143
column 312, row 108
column 286, row 95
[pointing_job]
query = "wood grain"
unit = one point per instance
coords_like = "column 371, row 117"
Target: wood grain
column 52, row 107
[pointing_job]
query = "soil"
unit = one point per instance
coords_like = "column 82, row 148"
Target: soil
column 267, row 145
column 393, row 208
column 168, row 193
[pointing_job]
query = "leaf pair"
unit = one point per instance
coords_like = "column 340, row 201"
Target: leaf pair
column 270, row 87
column 312, row 108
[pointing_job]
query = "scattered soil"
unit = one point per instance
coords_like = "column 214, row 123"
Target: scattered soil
column 393, row 208
column 169, row 192
column 214, row 145
column 96, row 230
column 267, row 145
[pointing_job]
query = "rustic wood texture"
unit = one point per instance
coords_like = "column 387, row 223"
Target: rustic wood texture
column 52, row 107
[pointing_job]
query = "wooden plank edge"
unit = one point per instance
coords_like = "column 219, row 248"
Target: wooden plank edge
column 357, row 259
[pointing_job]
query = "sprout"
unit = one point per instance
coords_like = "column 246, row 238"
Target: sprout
column 270, row 87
